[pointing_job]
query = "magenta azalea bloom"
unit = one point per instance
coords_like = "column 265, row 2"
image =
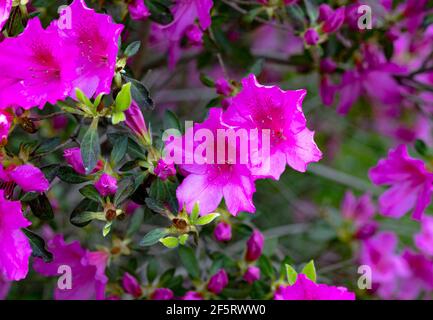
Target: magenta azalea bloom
column 138, row 10
column 208, row 183
column 26, row 176
column 410, row 184
column 223, row 232
column 5, row 10
column 192, row 295
column 106, row 185
column 131, row 285
column 378, row 252
column 165, row 169
column 424, row 239
column 15, row 248
column 45, row 70
column 218, row 282
column 134, row 120
column 269, row 107
column 5, row 125
column 96, row 36
column 255, row 246
column 88, row 270
column 332, row 19
column 162, row 294
column 305, row 289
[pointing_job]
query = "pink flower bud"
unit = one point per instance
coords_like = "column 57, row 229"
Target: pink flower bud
column 106, row 185
column 5, row 125
column 327, row 65
column 194, row 35
column 138, row 10
column 165, row 169
column 192, row 295
column 135, row 120
column 73, row 158
column 162, row 294
column 311, row 37
column 131, row 285
column 252, row 274
column 223, row 87
column 223, row 232
column 218, row 282
column 254, row 246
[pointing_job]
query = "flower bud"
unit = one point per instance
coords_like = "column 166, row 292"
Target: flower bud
column 131, row 285
column 254, row 246
column 223, row 232
column 218, row 282
column 73, row 158
column 165, row 169
column 311, row 37
column 252, row 274
column 135, row 121
column 194, row 35
column 106, row 185
column 192, row 295
column 162, row 294
column 223, row 87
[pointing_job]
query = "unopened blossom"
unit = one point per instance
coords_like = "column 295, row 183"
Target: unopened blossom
column 88, row 270
column 252, row 274
column 255, row 246
column 46, row 68
column 414, row 12
column 223, row 232
column 5, row 125
column 223, row 87
column 208, row 182
column 165, row 169
column 311, row 37
column 138, row 10
column 409, row 181
column 218, row 282
column 327, row 90
column 74, row 159
column 332, row 19
column 15, row 248
column 305, row 289
column 26, row 176
column 134, row 120
column 5, row 10
column 270, row 108
column 424, row 239
column 194, row 35
column 359, row 210
column 96, row 37
column 131, row 285
column 162, row 294
column 379, row 252
column 327, row 65
column 106, row 185
column 192, row 295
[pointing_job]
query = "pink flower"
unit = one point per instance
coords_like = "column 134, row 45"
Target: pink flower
column 223, row 232
column 410, row 184
column 138, row 10
column 135, row 121
column 15, row 248
column 162, row 294
column 378, row 252
column 305, row 289
column 311, row 37
column 332, row 20
column 194, row 35
column 45, row 70
column 165, row 169
column 26, row 176
column 96, row 36
column 223, row 87
column 359, row 210
column 106, row 185
column 208, row 183
column 269, row 107
column 252, row 274
column 218, row 282
column 5, row 10
column 5, row 125
column 73, row 158
column 88, row 270
column 327, row 90
column 424, row 239
column 131, row 285
column 255, row 246
column 192, row 295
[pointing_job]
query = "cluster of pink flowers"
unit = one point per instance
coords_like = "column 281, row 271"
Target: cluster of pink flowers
column 254, row 107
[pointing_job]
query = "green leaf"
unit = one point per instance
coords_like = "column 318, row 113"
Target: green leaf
column 257, row 67
column 132, row 48
column 152, row 270
column 195, row 213
column 156, row 206
column 421, row 147
column 159, row 12
column 135, row 224
column 83, row 98
column 67, row 174
column 123, row 99
column 172, row 121
column 266, row 267
column 140, row 94
column 310, row 271
column 126, row 188
column 50, row 171
column 87, row 216
column 89, row 191
column 41, row 207
column 291, row 273
column 90, row 147
column 189, row 260
column 38, row 246
column 120, row 146
column 83, row 206
column 170, row 242
column 98, row 99
column 107, row 228
column 118, row 117
column 207, row 81
column 183, row 239
column 207, row 219
column 153, row 237
column 312, row 11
